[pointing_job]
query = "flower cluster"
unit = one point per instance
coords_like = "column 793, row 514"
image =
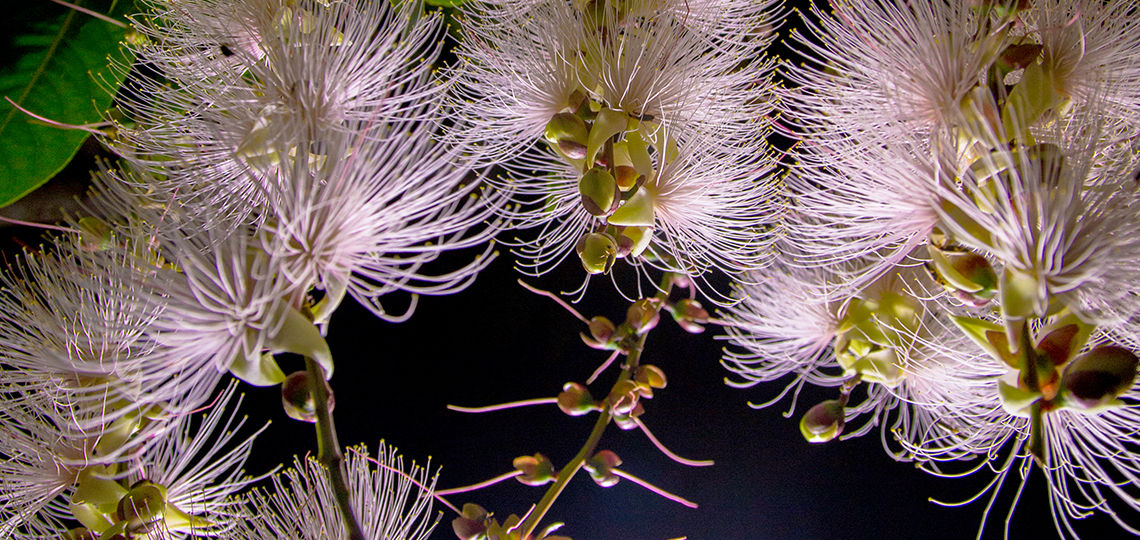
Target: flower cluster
column 650, row 117
column 277, row 156
column 963, row 241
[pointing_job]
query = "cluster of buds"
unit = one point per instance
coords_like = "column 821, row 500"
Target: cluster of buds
column 624, row 400
column 611, row 152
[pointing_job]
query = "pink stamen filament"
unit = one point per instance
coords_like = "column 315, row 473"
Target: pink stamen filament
column 480, row 485
column 554, row 297
column 435, row 495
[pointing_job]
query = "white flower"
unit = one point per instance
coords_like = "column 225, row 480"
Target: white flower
column 389, row 504
column 193, row 471
column 314, row 80
column 1059, row 215
column 882, row 69
column 933, row 398
column 368, row 221
column 1090, row 49
column 677, row 63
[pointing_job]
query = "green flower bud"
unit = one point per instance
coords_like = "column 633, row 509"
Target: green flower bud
column 599, row 191
column 537, row 470
column 627, row 177
column 601, row 468
column 567, row 127
column 601, row 333
column 690, row 315
column 598, row 252
column 472, row 524
column 823, row 422
column 968, row 274
column 643, row 315
column 651, row 376
column 572, row 149
column 575, row 400
column 1098, row 377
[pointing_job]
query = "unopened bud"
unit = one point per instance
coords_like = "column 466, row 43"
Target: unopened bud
column 968, row 274
column 575, row 400
column 651, row 376
column 567, row 127
column 80, row 533
column 1099, row 376
column 472, row 524
column 297, row 399
column 537, row 470
column 601, row 468
column 643, row 315
column 599, row 191
column 626, row 177
column 634, row 240
column 823, row 422
column 690, row 315
column 572, row 149
column 598, row 252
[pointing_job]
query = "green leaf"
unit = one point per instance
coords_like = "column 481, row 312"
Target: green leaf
column 57, row 67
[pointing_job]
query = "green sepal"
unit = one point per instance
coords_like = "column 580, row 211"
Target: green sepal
column 979, row 237
column 176, row 520
column 638, row 151
column 637, row 211
column 1031, row 98
column 1015, row 401
column 987, row 335
column 298, row 335
column 335, row 288
column 608, row 123
column 258, row 369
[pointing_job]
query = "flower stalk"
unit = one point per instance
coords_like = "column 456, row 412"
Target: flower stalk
column 329, row 453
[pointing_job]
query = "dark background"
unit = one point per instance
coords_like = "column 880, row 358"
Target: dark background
column 496, row 342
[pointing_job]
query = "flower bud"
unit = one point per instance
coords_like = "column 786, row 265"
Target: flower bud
column 571, row 149
column 575, row 400
column 1099, row 376
column 298, row 400
column 634, row 240
column 601, row 332
column 823, row 422
column 626, row 177
column 643, row 315
column 651, row 376
column 599, row 191
column 601, row 468
column 472, row 524
column 966, row 273
column 598, row 252
column 537, row 470
column 567, row 127
column 690, row 315
column 80, row 533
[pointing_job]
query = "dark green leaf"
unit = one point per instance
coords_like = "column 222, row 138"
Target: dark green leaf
column 56, row 66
